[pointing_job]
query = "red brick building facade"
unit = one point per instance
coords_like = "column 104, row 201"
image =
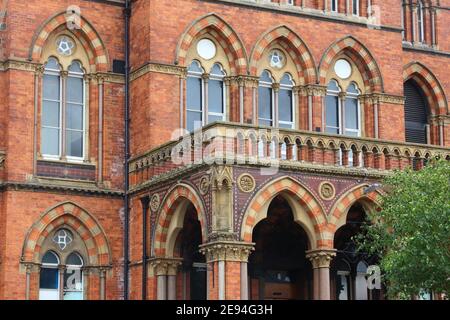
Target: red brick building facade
column 304, row 106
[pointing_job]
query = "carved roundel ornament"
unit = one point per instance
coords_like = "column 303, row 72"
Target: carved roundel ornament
column 204, row 185
column 277, row 60
column 65, row 46
column 327, row 191
column 155, row 201
column 246, row 183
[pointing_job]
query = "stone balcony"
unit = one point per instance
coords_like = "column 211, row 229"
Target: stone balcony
column 273, row 148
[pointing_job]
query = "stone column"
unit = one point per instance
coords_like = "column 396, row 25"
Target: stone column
column 321, row 260
column 276, row 90
column 165, row 271
column 103, row 284
column 61, row 270
column 28, row 270
column 228, row 257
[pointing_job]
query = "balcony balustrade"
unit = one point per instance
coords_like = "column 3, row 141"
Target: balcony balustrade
column 237, row 144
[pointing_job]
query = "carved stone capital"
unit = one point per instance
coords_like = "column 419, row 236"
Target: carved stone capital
column 165, row 266
column 321, row 258
column 227, row 251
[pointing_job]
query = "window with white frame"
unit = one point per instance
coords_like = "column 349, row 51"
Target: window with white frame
column 49, row 285
column 265, row 99
column 286, row 102
column 351, row 112
column 355, row 7
column 334, row 6
column 216, row 94
column 342, row 116
column 194, row 97
column 421, row 22
column 332, row 108
column 73, row 277
column 63, row 112
column 204, row 108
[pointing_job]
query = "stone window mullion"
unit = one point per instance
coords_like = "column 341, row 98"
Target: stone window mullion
column 205, row 81
column 64, row 75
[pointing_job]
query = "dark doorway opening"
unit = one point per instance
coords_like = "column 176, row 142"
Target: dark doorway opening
column 278, row 268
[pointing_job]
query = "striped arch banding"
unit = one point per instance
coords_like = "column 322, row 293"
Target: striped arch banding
column 294, row 46
column 225, row 36
column 86, row 34
column 430, row 86
column 302, row 195
column 169, row 206
column 360, row 55
column 81, row 221
column 344, row 204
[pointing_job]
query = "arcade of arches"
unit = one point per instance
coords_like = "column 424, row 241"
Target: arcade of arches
column 282, row 261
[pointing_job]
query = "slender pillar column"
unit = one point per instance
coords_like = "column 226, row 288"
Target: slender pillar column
column 165, row 270
column 321, row 260
column 61, row 270
column 100, row 130
column 27, row 281
column 102, row 284
column 227, row 256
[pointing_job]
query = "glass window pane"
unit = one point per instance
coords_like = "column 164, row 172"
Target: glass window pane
column 74, row 260
column 52, row 64
column 212, row 118
column 285, row 105
column 50, row 258
column 266, row 77
column 195, row 67
column 74, row 116
column 342, row 287
column 51, row 87
column 265, row 103
column 48, row 278
column 332, row 111
column 217, row 70
column 194, row 93
column 50, row 114
column 75, row 90
column 215, row 96
column 194, row 120
column 76, row 67
column 74, row 143
column 351, row 113
column 50, row 141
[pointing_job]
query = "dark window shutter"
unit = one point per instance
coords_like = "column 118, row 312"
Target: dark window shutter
column 416, row 114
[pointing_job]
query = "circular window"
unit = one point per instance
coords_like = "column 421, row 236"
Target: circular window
column 277, row 59
column 65, row 46
column 206, row 49
column 343, row 69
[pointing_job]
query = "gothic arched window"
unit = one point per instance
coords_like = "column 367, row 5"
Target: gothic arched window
column 49, row 277
column 286, row 102
column 265, row 99
column 416, row 114
column 63, row 112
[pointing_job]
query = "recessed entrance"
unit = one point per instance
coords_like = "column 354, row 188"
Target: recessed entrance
column 278, row 268
column 194, row 263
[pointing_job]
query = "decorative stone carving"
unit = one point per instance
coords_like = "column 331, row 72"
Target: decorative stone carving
column 203, row 186
column 221, row 176
column 155, row 202
column 160, row 68
column 327, row 191
column 165, row 266
column 321, row 258
column 246, row 183
column 227, row 251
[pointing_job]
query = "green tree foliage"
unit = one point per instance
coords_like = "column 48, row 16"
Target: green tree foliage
column 411, row 233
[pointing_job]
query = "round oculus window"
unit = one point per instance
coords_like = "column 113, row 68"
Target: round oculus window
column 343, row 69
column 277, row 59
column 206, row 49
column 65, row 46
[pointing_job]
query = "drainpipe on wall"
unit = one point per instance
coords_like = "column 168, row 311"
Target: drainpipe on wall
column 127, row 13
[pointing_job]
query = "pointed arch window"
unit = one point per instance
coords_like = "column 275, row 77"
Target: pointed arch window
column 421, row 22
column 355, row 9
column 343, row 110
column 351, row 111
column 216, row 94
column 73, row 277
column 286, row 102
column 63, row 112
column 265, row 99
column 332, row 108
column 49, row 285
column 205, row 95
column 416, row 114
column 194, row 99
